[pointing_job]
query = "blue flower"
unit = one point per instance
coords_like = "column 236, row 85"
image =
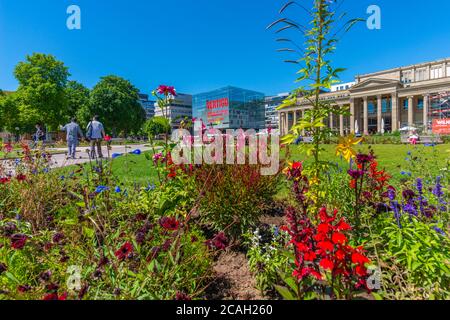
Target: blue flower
column 62, row 178
column 440, row 231
column 150, row 188
column 409, row 153
column 101, row 189
column 419, row 185
column 118, row 190
column 437, row 191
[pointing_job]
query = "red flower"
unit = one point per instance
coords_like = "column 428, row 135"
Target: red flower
column 325, row 246
column 23, row 288
column 169, row 223
column 327, row 264
column 18, row 241
column 297, row 165
column 343, row 226
column 359, row 259
column 167, row 90
column 21, row 177
column 302, row 247
column 8, row 147
column 324, row 217
column 361, row 271
column 310, row 256
column 124, row 252
column 54, row 296
column 220, row 242
column 339, row 238
column 340, row 255
column 307, row 272
column 107, row 138
column 5, row 180
column 323, row 228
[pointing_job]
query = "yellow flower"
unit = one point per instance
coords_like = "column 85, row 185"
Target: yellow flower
column 345, row 146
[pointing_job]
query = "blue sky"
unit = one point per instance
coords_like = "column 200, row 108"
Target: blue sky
column 199, row 45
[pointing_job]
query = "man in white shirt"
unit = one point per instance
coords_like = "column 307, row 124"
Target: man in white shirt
column 95, row 133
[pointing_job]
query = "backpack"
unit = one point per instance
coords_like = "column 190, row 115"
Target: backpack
column 89, row 131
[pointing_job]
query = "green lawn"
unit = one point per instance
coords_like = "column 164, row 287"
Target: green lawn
column 133, row 169
column 390, row 157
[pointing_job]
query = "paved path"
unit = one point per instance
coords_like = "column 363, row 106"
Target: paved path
column 59, row 159
column 83, row 156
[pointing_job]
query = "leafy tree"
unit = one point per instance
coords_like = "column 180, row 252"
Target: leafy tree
column 8, row 112
column 116, row 101
column 156, row 126
column 41, row 93
column 77, row 96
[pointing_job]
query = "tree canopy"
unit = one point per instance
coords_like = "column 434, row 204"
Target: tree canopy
column 116, row 101
column 41, row 93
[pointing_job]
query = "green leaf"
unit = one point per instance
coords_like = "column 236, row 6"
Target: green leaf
column 285, row 293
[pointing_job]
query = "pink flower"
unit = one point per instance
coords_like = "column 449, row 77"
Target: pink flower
column 8, row 147
column 166, row 90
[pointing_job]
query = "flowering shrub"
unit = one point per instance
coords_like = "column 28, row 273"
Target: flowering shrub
column 232, row 198
column 265, row 255
column 79, row 234
column 322, row 253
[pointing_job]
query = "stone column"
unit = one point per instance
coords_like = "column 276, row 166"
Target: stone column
column 341, row 125
column 280, row 122
column 295, row 117
column 411, row 111
column 425, row 112
column 331, row 120
column 352, row 115
column 366, row 116
column 303, row 116
column 379, row 112
column 394, row 112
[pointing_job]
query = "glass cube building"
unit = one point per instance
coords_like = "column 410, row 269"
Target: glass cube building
column 230, row 108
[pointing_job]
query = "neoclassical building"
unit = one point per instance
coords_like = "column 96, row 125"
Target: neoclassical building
column 385, row 100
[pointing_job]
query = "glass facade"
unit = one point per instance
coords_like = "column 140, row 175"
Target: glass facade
column 230, row 108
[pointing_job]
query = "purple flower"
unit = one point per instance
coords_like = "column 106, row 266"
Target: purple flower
column 396, row 208
column 419, row 186
column 364, row 158
column 410, row 208
column 437, row 191
column 408, row 194
column 355, row 174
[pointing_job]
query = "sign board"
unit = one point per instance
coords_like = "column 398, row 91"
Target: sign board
column 441, row 126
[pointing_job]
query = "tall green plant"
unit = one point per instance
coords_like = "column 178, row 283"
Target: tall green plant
column 315, row 77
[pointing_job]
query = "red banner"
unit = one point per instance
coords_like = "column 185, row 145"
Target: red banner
column 441, row 126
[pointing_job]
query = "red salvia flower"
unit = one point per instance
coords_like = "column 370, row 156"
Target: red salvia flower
column 169, row 223
column 21, row 177
column 339, row 238
column 124, row 252
column 327, row 264
column 18, row 241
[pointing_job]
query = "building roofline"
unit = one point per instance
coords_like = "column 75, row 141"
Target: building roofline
column 418, row 65
column 228, row 87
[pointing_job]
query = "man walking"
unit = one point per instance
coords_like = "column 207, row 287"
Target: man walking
column 39, row 136
column 74, row 132
column 95, row 133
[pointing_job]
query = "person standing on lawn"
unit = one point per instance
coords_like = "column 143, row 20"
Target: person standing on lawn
column 74, row 132
column 39, row 136
column 95, row 134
